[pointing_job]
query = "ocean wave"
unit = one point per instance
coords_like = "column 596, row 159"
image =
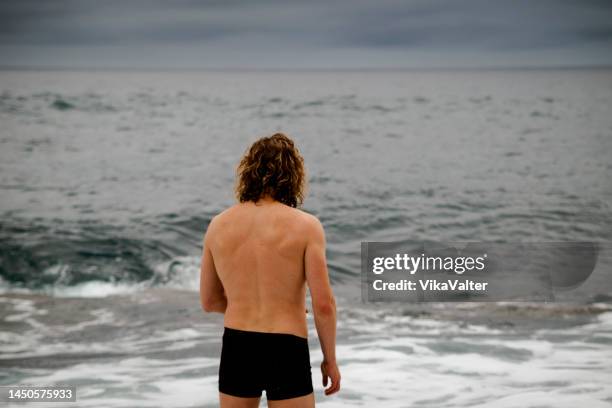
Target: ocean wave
column 179, row 273
column 84, row 257
column 42, row 103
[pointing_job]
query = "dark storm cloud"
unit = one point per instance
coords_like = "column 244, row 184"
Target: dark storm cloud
column 316, row 31
column 476, row 24
column 143, row 21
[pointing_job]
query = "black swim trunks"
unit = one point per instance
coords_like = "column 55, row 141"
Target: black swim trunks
column 254, row 361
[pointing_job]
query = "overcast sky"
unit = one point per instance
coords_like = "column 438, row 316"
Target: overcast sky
column 282, row 34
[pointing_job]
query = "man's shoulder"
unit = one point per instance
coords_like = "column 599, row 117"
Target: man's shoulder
column 223, row 216
column 308, row 220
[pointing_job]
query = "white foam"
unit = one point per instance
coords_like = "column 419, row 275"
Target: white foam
column 139, row 382
column 391, row 370
column 403, row 371
column 181, row 272
column 93, row 289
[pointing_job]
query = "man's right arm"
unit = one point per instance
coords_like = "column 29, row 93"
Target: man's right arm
column 323, row 302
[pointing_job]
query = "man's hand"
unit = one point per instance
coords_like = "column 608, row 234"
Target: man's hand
column 330, row 371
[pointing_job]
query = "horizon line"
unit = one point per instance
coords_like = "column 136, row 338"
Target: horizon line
column 305, row 69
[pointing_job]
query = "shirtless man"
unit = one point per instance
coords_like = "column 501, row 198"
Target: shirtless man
column 257, row 259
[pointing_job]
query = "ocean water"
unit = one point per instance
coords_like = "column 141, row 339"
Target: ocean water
column 108, row 180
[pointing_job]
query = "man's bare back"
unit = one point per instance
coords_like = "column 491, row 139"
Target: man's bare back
column 258, row 258
column 258, row 251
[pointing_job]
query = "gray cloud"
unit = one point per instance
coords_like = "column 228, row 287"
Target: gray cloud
column 317, row 33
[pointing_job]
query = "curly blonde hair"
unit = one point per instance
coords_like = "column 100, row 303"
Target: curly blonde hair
column 272, row 166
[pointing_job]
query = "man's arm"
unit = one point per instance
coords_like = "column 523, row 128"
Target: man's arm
column 323, row 303
column 212, row 295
